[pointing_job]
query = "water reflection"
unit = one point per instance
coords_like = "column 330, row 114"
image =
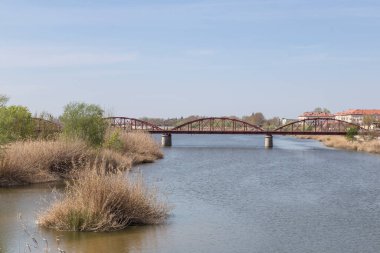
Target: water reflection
column 134, row 239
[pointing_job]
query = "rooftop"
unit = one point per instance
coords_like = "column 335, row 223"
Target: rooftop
column 317, row 114
column 359, row 112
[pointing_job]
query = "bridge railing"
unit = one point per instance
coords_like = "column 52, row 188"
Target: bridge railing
column 216, row 124
column 319, row 125
column 224, row 125
column 131, row 124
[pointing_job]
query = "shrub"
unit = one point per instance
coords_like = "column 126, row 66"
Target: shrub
column 15, row 123
column 351, row 133
column 84, row 121
column 113, row 140
column 100, row 201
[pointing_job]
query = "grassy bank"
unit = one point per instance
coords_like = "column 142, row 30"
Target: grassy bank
column 98, row 196
column 101, row 201
column 91, row 156
column 38, row 161
column 341, row 142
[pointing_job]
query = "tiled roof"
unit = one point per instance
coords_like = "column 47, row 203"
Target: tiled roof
column 316, row 114
column 359, row 112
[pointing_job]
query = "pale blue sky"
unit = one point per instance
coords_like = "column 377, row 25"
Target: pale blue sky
column 166, row 58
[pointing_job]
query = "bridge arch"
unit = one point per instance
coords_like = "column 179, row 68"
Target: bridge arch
column 216, row 125
column 318, row 125
column 130, row 124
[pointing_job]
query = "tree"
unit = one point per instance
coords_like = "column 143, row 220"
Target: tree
column 15, row 123
column 3, row 100
column 256, row 119
column 368, row 120
column 319, row 109
column 46, row 116
column 351, row 133
column 84, row 121
column 273, row 123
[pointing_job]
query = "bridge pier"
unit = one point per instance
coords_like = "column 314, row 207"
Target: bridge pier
column 268, row 141
column 166, row 140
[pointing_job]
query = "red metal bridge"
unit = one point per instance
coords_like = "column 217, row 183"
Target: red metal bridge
column 221, row 125
column 224, row 125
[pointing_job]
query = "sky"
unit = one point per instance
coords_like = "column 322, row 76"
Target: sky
column 166, row 58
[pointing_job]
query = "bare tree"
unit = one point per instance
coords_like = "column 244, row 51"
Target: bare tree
column 320, row 109
column 368, row 120
column 3, row 100
column 256, row 119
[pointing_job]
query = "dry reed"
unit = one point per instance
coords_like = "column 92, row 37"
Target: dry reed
column 39, row 161
column 341, row 142
column 44, row 161
column 101, row 201
column 140, row 146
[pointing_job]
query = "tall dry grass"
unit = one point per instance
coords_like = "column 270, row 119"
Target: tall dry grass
column 101, row 201
column 44, row 161
column 39, row 161
column 341, row 142
column 140, row 146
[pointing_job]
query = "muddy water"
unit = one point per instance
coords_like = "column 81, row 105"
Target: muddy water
column 232, row 195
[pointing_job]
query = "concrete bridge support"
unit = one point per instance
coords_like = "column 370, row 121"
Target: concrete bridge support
column 268, row 141
column 166, row 140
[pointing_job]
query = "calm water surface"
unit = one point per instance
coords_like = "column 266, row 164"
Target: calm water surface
column 232, row 195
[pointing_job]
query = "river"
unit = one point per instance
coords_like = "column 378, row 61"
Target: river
column 229, row 194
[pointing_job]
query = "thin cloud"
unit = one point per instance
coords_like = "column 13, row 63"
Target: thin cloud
column 41, row 57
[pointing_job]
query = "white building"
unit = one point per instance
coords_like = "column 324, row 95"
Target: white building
column 357, row 116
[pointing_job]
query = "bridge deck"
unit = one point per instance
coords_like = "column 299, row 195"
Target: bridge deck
column 247, row 132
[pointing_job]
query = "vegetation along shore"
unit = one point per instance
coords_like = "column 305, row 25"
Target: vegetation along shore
column 90, row 157
column 342, row 142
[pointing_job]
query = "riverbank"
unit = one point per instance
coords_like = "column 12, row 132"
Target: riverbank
column 341, row 142
column 98, row 197
column 40, row 161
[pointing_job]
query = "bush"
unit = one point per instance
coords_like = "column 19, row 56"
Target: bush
column 351, row 133
column 84, row 121
column 99, row 201
column 15, row 123
column 113, row 141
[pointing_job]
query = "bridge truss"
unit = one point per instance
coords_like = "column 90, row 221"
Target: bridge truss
column 317, row 126
column 131, row 124
column 224, row 125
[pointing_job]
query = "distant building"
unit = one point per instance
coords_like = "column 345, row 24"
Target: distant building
column 357, row 116
column 314, row 115
column 285, row 121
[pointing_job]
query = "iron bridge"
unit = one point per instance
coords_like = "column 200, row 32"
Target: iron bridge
column 225, row 125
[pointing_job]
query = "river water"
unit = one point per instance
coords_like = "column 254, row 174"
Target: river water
column 231, row 195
